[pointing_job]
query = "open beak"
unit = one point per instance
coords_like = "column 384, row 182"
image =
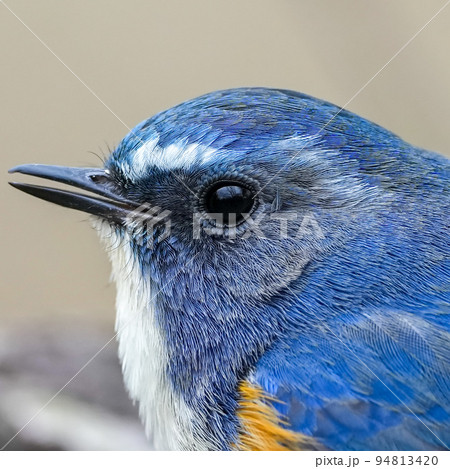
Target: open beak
column 97, row 181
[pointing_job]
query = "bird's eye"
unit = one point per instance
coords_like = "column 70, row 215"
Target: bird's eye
column 229, row 200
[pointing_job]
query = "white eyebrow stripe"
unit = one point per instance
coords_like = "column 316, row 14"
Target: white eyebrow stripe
column 183, row 155
column 177, row 155
column 140, row 157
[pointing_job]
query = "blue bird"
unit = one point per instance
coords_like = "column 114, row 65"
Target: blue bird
column 282, row 271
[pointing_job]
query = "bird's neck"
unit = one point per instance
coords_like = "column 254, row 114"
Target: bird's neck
column 171, row 357
column 169, row 422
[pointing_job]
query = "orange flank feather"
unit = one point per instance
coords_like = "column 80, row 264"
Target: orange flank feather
column 262, row 427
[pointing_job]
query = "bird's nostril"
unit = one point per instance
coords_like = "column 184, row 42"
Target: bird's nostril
column 99, row 178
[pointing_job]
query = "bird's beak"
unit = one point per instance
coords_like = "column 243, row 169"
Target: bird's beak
column 110, row 205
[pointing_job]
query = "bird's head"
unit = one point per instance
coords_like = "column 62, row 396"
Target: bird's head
column 242, row 188
column 213, row 207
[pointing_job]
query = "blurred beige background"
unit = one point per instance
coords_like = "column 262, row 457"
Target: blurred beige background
column 141, row 57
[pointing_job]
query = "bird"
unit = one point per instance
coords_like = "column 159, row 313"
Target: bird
column 282, row 271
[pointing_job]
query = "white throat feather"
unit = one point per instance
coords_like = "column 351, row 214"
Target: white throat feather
column 169, row 421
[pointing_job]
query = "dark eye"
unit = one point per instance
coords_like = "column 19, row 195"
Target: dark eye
column 229, row 200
